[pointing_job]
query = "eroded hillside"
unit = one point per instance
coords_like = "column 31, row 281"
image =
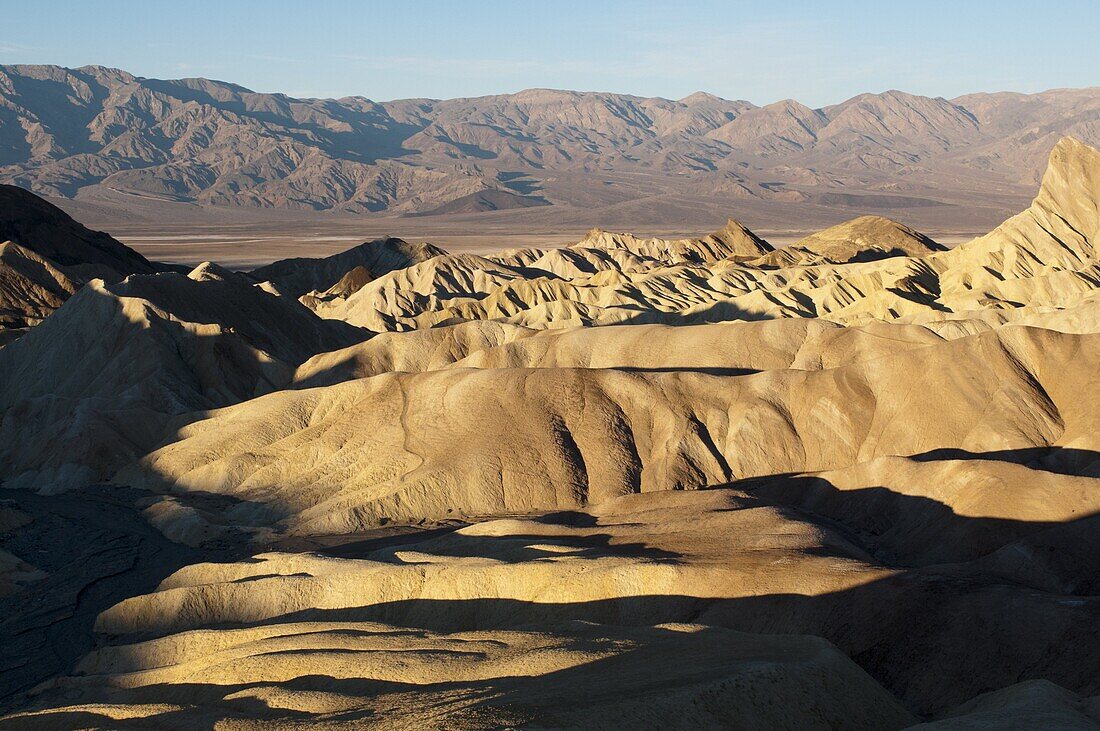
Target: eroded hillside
column 699, row 482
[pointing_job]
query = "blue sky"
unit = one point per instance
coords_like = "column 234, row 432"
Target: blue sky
column 816, row 52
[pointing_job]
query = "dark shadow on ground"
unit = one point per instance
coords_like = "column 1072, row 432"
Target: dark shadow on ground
column 908, row 531
column 97, row 550
column 706, row 370
column 964, row 604
column 968, row 604
column 1060, row 460
column 721, row 679
column 933, row 638
column 361, row 548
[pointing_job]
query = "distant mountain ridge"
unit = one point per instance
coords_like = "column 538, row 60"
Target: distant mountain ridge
column 75, row 132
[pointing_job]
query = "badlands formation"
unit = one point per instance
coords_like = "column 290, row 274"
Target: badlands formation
column 849, row 483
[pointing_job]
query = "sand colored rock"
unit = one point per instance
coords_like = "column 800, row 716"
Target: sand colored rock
column 1053, row 244
column 868, row 269
column 733, row 348
column 573, row 675
column 862, row 239
column 415, row 351
column 519, row 439
column 729, row 558
column 733, row 239
column 348, row 285
column 97, row 384
column 31, row 287
column 686, row 482
column 296, row 277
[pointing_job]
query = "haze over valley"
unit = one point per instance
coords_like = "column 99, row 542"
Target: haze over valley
column 190, row 169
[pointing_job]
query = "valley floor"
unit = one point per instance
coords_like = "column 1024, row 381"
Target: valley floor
column 247, row 238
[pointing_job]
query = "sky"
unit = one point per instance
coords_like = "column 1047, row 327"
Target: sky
column 817, row 52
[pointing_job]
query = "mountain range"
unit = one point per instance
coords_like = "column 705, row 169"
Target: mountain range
column 96, row 132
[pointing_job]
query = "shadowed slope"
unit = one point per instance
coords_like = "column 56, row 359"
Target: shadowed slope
column 31, row 287
column 409, row 446
column 866, row 238
column 923, row 492
column 296, row 277
column 722, row 558
column 565, row 675
column 868, row 269
column 48, row 231
column 96, row 383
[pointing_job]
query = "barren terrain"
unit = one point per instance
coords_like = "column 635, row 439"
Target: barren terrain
column 193, row 169
column 678, row 481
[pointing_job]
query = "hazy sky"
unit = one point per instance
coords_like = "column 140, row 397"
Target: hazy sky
column 816, row 52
